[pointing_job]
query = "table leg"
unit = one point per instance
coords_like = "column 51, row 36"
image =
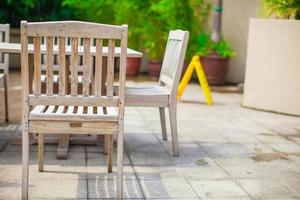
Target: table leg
column 63, row 147
column 64, row 140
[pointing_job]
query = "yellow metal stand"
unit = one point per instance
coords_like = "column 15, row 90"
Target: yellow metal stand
column 195, row 64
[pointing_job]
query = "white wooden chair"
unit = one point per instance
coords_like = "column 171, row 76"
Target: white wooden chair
column 4, row 65
column 165, row 93
column 65, row 113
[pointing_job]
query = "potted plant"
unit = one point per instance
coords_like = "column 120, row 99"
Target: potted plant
column 214, row 51
column 272, row 69
column 131, row 12
column 165, row 15
column 214, row 58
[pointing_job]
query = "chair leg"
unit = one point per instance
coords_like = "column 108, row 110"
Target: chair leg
column 120, row 163
column 41, row 152
column 105, row 144
column 163, row 123
column 110, row 145
column 6, row 97
column 25, row 162
column 173, row 121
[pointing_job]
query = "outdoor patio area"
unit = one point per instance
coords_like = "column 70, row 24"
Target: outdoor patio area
column 226, row 152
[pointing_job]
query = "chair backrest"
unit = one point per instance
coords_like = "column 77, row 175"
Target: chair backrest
column 55, row 62
column 114, row 36
column 4, row 58
column 174, row 59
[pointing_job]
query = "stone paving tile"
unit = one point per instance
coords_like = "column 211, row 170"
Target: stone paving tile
column 153, row 172
column 59, row 189
column 218, row 189
column 3, row 145
column 150, row 157
column 32, row 148
column 100, row 172
column 246, row 168
column 260, row 188
column 167, row 188
column 206, row 169
column 106, row 188
column 101, row 159
column 223, row 150
column 11, row 189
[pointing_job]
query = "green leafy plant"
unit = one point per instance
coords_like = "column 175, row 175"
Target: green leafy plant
column 282, row 9
column 206, row 46
column 166, row 15
column 13, row 11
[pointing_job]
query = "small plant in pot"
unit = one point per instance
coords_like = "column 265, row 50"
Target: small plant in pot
column 154, row 46
column 155, row 51
column 214, row 58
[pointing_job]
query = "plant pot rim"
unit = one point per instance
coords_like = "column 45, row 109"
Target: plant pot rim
column 155, row 61
column 214, row 56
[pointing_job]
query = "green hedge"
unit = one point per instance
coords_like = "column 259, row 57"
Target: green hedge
column 149, row 20
column 13, row 11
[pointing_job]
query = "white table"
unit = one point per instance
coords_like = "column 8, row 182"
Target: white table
column 15, row 48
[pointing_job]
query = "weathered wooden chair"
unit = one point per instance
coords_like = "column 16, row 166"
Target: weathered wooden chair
column 65, row 113
column 4, row 64
column 165, row 93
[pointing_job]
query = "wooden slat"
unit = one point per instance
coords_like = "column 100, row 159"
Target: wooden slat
column 49, row 65
column 73, row 101
column 37, row 66
column 74, row 67
column 90, row 110
column 60, row 109
column 38, row 109
column 86, row 66
column 100, row 110
column 80, row 110
column 60, row 127
column 62, row 65
column 70, row 110
column 110, row 68
column 50, row 110
column 74, row 29
column 111, row 111
column 98, row 67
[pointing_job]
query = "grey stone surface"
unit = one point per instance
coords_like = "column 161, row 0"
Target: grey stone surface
column 227, row 152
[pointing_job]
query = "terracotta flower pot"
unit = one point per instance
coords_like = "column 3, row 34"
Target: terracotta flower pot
column 154, row 68
column 133, row 66
column 215, row 68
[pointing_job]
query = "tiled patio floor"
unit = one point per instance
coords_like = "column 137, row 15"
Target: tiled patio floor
column 227, row 152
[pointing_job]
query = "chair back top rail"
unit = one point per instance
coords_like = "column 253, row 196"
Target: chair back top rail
column 74, row 29
column 55, row 33
column 4, row 37
column 173, row 60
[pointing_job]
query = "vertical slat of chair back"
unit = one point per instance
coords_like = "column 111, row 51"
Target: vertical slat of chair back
column 4, row 37
column 110, row 68
column 49, row 65
column 62, row 65
column 98, row 67
column 62, row 31
column 74, row 66
column 86, row 66
column 37, row 66
column 173, row 58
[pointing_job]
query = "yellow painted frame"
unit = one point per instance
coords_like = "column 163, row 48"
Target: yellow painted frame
column 195, row 64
